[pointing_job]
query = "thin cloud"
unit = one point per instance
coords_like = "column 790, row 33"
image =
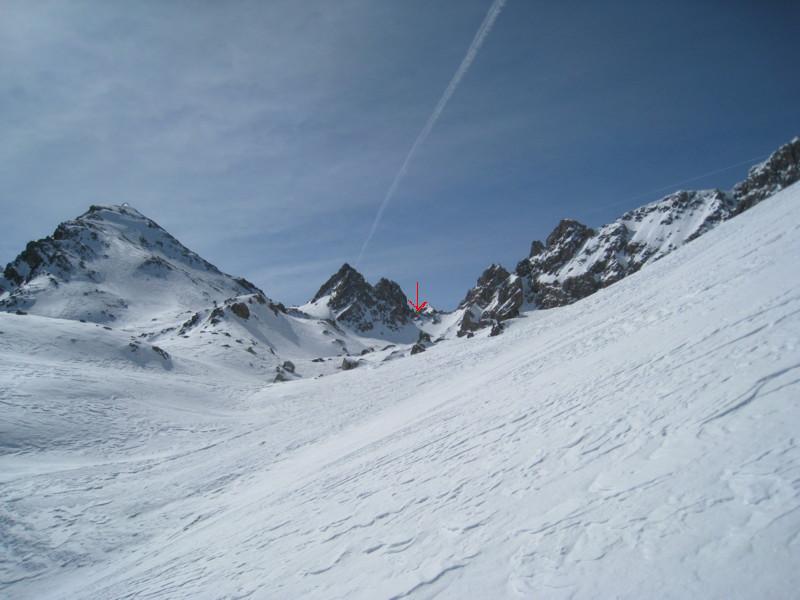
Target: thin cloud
column 472, row 52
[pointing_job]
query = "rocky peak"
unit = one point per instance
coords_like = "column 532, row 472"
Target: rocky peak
column 537, row 248
column 562, row 244
column 364, row 307
column 96, row 263
column 780, row 170
column 493, row 275
column 497, row 295
column 576, row 261
column 491, row 278
column 344, row 286
column 568, row 231
column 389, row 291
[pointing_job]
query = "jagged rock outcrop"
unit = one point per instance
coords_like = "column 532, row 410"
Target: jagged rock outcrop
column 240, row 310
column 423, row 343
column 363, row 307
column 780, row 170
column 497, row 293
column 348, row 363
column 576, row 261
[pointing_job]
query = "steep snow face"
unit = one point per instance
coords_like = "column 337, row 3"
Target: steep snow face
column 380, row 311
column 639, row 443
column 113, row 265
column 576, row 261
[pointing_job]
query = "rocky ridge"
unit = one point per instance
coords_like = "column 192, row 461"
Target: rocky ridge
column 576, row 261
column 363, row 307
column 114, row 265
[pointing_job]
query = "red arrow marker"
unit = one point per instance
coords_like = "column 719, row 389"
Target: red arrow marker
column 417, row 306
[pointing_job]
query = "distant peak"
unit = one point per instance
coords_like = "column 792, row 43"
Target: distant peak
column 492, row 275
column 345, row 275
column 346, row 268
column 100, row 211
column 567, row 229
column 537, row 248
column 386, row 288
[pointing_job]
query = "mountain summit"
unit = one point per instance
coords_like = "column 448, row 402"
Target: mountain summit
column 349, row 299
column 113, row 264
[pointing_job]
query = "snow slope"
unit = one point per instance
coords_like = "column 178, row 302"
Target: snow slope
column 639, row 443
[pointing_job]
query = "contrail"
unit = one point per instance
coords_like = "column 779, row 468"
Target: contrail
column 472, row 52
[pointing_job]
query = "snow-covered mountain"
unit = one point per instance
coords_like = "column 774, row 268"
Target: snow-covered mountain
column 576, row 261
column 113, row 265
column 638, row 443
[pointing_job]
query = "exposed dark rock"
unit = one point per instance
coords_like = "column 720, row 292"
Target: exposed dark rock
column 156, row 266
column 344, row 283
column 190, row 323
column 248, row 286
column 468, row 324
column 349, row 363
column 537, row 248
column 423, row 342
column 277, row 307
column 216, row 315
column 288, row 366
column 497, row 329
column 240, row 310
column 162, row 353
column 497, row 295
column 363, row 306
column 779, row 171
column 489, row 280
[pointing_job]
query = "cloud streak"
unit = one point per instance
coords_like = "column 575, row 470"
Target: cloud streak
column 469, row 57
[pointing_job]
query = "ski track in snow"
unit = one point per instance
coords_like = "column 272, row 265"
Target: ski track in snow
column 639, row 443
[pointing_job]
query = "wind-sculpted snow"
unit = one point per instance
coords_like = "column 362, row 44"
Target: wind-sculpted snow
column 640, row 443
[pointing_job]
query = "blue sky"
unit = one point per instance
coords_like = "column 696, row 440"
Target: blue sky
column 264, row 134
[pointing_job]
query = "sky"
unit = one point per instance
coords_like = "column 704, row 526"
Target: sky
column 265, row 134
